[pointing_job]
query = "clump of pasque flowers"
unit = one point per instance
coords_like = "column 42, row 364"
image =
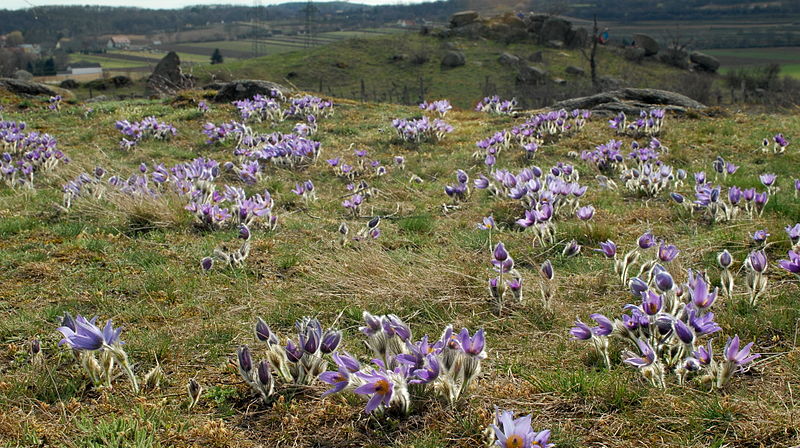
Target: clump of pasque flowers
column 506, row 288
column 666, row 330
column 650, row 123
column 148, row 128
column 778, row 143
column 404, row 370
column 300, row 361
column 98, row 350
column 421, row 129
column 496, row 105
column 228, row 254
column 370, row 231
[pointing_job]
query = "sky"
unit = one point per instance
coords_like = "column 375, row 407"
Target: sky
column 167, row 4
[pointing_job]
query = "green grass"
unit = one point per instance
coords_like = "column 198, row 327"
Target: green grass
column 787, row 57
column 430, row 266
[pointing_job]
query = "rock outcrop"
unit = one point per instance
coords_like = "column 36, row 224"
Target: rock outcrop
column 510, row 28
column 631, row 101
column 26, row 88
column 247, row 88
column 168, row 78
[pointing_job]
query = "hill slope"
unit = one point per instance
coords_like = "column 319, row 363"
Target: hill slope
column 390, row 65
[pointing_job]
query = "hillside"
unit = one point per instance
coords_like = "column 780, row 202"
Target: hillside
column 131, row 252
column 390, row 66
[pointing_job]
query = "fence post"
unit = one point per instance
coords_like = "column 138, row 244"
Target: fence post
column 363, row 91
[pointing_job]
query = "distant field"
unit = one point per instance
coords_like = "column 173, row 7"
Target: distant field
column 104, row 61
column 277, row 44
column 139, row 59
column 731, row 58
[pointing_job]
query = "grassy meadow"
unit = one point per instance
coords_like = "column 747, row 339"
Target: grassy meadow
column 430, row 266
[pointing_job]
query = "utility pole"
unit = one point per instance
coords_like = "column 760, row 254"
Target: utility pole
column 257, row 28
column 309, row 11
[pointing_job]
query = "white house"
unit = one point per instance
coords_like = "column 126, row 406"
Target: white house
column 84, row 68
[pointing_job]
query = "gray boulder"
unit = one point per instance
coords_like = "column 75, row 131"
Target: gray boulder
column 704, row 61
column 560, row 81
column 555, row 44
column 508, row 59
column 454, row 59
column 649, row 44
column 573, row 70
column 247, row 88
column 554, row 29
column 23, row 75
column 530, row 74
column 463, row 18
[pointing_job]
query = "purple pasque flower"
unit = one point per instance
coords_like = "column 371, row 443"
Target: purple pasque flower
column 608, row 248
column 547, row 270
column 780, row 140
column 638, row 286
column 792, row 264
column 736, row 356
column 264, row 334
column 581, row 331
column 207, row 263
column 794, row 233
column 705, row 355
column 378, row 386
column 757, row 260
column 501, row 260
column 330, row 341
column 571, row 249
column 667, row 253
column 683, row 332
column 664, row 281
column 651, row 303
column 768, row 179
column 646, row 241
column 394, row 326
column 585, row 213
column 702, row 324
column 605, row 326
column 86, row 336
column 511, row 432
column 760, row 236
column 429, row 371
column 647, row 358
column 701, row 297
column 472, row 345
column 339, row 379
column 245, row 361
column 724, row 259
column 488, row 223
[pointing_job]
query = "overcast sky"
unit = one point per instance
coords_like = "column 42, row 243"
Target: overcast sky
column 160, row 4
